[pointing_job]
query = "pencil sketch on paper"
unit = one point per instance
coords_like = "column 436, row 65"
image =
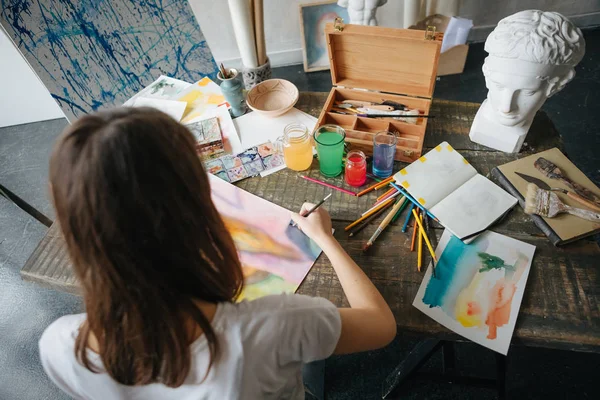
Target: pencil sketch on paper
column 478, row 287
column 275, row 256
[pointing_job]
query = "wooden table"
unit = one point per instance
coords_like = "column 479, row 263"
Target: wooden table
column 561, row 307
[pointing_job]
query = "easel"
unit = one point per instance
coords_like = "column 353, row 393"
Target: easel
column 423, row 351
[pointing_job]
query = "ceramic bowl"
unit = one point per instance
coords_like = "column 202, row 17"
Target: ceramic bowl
column 273, row 97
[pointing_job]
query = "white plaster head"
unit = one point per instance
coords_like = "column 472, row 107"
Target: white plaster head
column 532, row 55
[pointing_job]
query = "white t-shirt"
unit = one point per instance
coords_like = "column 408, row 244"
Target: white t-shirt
column 263, row 344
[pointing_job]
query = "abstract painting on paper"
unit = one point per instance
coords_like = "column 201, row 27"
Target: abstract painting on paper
column 477, row 288
column 96, row 54
column 275, row 256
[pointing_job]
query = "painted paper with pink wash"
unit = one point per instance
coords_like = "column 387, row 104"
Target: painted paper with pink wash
column 275, row 256
column 478, row 287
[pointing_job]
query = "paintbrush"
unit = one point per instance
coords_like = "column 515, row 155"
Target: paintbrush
column 224, row 73
column 319, row 204
column 550, row 170
column 543, row 185
column 547, row 204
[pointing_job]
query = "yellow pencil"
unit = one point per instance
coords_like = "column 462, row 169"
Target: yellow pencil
column 420, row 247
column 418, row 221
column 374, row 210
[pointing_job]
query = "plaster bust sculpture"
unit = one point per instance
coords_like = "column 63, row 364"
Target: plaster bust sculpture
column 532, row 55
column 362, row 12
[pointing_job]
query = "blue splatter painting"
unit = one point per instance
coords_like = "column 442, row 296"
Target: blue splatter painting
column 94, row 54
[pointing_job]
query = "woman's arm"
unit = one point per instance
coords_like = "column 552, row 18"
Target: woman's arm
column 369, row 323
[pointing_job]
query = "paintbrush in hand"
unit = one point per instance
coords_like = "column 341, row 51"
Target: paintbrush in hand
column 547, row 204
column 319, row 204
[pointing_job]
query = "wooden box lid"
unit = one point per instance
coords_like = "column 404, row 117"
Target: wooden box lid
column 399, row 61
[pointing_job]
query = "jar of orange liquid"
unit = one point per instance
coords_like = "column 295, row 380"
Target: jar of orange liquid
column 297, row 147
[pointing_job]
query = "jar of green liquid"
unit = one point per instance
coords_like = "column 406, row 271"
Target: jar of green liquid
column 330, row 149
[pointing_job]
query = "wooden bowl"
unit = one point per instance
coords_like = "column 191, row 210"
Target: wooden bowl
column 273, row 97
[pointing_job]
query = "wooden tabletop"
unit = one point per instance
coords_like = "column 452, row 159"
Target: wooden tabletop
column 561, row 306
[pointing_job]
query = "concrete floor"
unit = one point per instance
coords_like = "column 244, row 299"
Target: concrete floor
column 26, row 309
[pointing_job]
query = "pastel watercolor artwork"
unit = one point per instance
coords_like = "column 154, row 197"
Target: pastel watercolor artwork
column 478, row 287
column 275, row 256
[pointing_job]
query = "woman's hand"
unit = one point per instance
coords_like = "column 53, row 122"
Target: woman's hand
column 317, row 225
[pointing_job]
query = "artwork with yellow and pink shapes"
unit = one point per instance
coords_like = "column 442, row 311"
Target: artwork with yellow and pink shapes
column 275, row 256
column 477, row 288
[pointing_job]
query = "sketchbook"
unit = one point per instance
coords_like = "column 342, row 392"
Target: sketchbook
column 465, row 202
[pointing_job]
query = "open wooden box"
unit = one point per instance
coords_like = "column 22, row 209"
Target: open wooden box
column 375, row 64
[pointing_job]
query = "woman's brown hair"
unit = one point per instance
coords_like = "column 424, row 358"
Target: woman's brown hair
column 145, row 239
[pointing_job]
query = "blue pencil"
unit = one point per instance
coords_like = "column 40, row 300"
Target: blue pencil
column 412, row 200
column 408, row 217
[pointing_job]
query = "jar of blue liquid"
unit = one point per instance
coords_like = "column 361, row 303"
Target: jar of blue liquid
column 232, row 91
column 384, row 151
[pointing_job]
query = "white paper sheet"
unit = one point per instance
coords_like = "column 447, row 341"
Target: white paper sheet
column 255, row 129
column 456, row 33
column 231, row 139
column 473, row 207
column 478, row 288
column 171, row 107
column 164, row 87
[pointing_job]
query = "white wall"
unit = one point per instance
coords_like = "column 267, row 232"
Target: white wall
column 23, row 97
column 282, row 24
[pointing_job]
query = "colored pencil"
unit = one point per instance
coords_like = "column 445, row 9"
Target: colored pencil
column 402, row 207
column 408, row 217
column 375, row 178
column 420, row 246
column 377, row 204
column 427, row 242
column 392, row 190
column 358, row 221
column 328, row 185
column 411, row 199
column 387, row 196
column 400, row 210
column 367, row 221
column 370, row 188
column 386, row 221
column 384, row 183
column 415, row 228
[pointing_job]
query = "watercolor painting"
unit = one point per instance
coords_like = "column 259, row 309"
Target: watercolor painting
column 275, row 255
column 93, row 54
column 313, row 18
column 200, row 97
column 478, row 287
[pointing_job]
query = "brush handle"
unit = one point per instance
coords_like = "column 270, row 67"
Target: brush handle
column 584, row 201
column 580, row 190
column 585, row 214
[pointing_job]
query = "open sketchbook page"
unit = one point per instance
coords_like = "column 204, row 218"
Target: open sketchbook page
column 473, row 207
column 435, row 175
column 478, row 288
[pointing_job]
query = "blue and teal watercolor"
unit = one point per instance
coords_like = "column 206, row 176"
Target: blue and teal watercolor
column 94, row 54
column 455, row 269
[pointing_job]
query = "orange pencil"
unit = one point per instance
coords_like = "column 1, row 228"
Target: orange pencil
column 392, row 190
column 414, row 235
column 374, row 210
column 384, row 183
column 367, row 190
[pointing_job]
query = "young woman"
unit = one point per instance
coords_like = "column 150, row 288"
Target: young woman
column 160, row 275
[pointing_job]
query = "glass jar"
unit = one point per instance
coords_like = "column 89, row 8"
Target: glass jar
column 356, row 168
column 297, row 147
